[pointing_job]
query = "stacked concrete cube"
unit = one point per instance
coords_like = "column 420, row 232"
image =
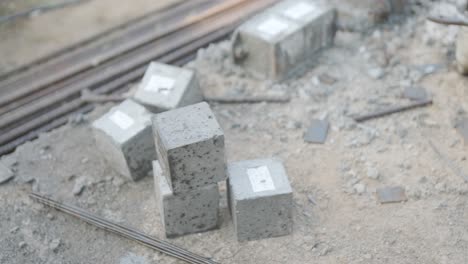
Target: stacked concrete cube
column 260, row 199
column 167, row 87
column 125, row 139
column 278, row 41
column 190, row 149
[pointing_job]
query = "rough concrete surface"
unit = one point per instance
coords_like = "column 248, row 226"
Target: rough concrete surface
column 166, row 87
column 260, row 199
column 190, row 147
column 185, row 213
column 337, row 218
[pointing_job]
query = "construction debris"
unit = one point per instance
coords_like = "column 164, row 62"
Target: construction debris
column 462, row 50
column 5, row 174
column 392, row 110
column 415, row 93
column 391, row 195
column 462, row 128
column 317, row 131
column 121, row 230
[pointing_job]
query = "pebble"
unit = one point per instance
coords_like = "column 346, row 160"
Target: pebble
column 359, row 188
column 55, row 244
column 22, row 244
column 376, row 73
column 373, row 173
column 80, row 184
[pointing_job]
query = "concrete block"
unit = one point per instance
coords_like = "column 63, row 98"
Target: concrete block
column 260, row 199
column 167, row 87
column 186, row 213
column 125, row 139
column 190, row 147
column 276, row 42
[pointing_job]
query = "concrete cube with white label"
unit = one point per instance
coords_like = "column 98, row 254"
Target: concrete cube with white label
column 166, row 87
column 190, row 147
column 260, row 199
column 124, row 137
column 280, row 40
column 187, row 213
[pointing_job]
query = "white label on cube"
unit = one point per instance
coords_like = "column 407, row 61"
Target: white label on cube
column 260, row 179
column 299, row 10
column 121, row 119
column 273, row 26
column 160, row 84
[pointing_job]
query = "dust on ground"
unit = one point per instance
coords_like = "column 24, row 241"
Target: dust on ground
column 337, row 218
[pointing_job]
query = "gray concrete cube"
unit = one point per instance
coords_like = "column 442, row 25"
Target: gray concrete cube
column 167, row 87
column 280, row 40
column 124, row 137
column 190, row 147
column 186, row 213
column 260, row 199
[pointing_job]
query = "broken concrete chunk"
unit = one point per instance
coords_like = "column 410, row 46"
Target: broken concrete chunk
column 167, row 87
column 260, row 199
column 391, row 195
column 317, row 132
column 5, row 174
column 415, row 93
column 281, row 39
column 462, row 128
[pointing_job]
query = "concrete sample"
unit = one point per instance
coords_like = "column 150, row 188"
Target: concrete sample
column 415, row 93
column 166, row 87
column 317, row 132
column 190, row 147
column 462, row 51
column 187, row 213
column 391, row 195
column 124, row 137
column 278, row 41
column 5, row 174
column 260, row 199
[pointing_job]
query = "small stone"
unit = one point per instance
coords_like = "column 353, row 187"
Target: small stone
column 373, row 173
column 415, row 93
column 376, row 73
column 80, row 184
column 5, row 174
column 50, row 216
column 391, row 194
column 14, row 230
column 317, row 132
column 22, row 244
column 359, row 188
column 55, row 244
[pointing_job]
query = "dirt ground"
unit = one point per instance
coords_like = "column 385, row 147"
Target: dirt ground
column 337, row 218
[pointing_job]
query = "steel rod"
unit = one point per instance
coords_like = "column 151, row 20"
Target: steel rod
column 127, row 232
column 392, row 110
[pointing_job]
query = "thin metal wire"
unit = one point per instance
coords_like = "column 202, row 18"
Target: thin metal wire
column 124, row 231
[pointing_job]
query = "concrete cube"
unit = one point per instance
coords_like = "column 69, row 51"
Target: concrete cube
column 190, row 147
column 187, row 213
column 125, row 139
column 280, row 40
column 166, row 87
column 260, row 199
